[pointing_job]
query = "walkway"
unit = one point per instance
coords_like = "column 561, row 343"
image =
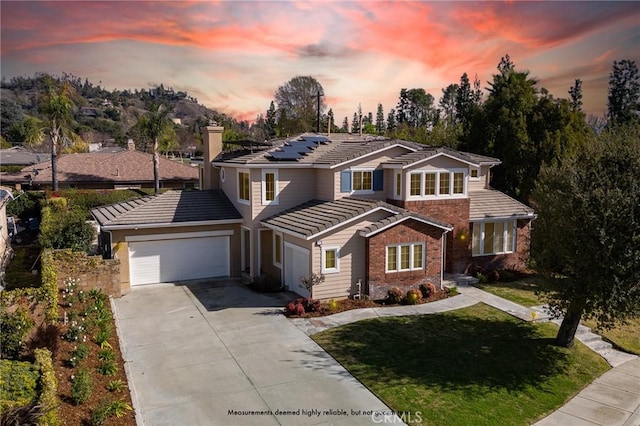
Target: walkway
column 612, row 399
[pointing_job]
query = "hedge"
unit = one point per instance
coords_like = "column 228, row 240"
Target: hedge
column 49, row 286
column 48, row 386
column 18, row 381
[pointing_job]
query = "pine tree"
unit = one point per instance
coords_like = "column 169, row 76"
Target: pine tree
column 391, row 120
column 576, row 95
column 624, row 92
column 380, row 120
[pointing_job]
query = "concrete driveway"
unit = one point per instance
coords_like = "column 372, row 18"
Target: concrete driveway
column 216, row 353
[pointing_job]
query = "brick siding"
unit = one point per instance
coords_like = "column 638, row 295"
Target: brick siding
column 518, row 259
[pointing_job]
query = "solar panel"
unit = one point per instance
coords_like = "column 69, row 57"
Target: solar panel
column 285, row 155
column 317, row 139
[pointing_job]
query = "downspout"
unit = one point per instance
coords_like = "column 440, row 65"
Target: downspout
column 442, row 257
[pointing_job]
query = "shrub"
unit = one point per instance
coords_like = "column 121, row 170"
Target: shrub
column 102, row 336
column 29, row 414
column 15, row 327
column 311, row 280
column 394, row 295
column 70, row 292
column 481, row 278
column 48, row 385
column 100, row 414
column 508, row 275
column 332, row 305
column 119, row 408
column 108, row 368
column 309, row 305
column 106, row 355
column 18, row 381
column 79, row 354
column 427, row 290
column 46, row 336
column 493, row 276
column 81, row 387
column 293, row 308
column 412, row 297
column 65, row 228
column 452, row 291
column 116, row 385
column 49, row 286
column 75, row 332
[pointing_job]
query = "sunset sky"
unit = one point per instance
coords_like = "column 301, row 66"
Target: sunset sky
column 232, row 56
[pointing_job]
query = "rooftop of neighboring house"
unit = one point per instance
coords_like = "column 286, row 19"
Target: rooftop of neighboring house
column 118, row 166
column 329, row 151
column 18, row 156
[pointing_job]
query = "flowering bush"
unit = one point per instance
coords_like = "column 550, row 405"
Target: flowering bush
column 293, row 309
column 69, row 292
column 427, row 290
column 493, row 276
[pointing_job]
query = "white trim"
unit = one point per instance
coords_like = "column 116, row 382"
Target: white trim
column 411, row 266
column 177, row 235
column 273, row 244
column 439, row 154
column 263, row 185
column 397, row 192
column 437, row 195
column 361, row 170
column 171, row 224
column 368, row 155
column 242, row 200
column 514, row 244
column 471, row 178
column 485, row 219
column 297, row 247
column 323, row 251
column 391, row 225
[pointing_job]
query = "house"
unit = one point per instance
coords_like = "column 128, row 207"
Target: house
column 5, row 242
column 21, row 156
column 108, row 168
column 368, row 213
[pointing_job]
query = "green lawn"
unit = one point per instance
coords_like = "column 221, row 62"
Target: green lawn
column 522, row 291
column 474, row 366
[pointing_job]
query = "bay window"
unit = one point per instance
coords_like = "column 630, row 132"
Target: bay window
column 493, row 237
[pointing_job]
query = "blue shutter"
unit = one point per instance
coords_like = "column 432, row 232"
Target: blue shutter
column 378, row 180
column 345, row 181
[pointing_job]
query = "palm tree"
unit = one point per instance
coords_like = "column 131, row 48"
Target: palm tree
column 153, row 125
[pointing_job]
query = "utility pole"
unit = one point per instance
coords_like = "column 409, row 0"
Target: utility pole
column 318, row 94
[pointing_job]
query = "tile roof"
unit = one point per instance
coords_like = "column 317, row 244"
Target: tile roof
column 489, row 203
column 18, row 156
column 124, row 166
column 400, row 217
column 342, row 147
column 316, row 216
column 429, row 151
column 171, row 207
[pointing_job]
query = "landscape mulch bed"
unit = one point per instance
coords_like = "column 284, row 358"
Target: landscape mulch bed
column 348, row 304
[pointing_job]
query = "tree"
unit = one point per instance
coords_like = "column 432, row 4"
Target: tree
column 56, row 106
column 298, row 99
column 270, row 122
column 587, row 235
column 345, row 125
column 448, row 103
column 380, row 120
column 391, row 120
column 415, row 107
column 154, row 124
column 463, row 100
column 624, row 92
column 576, row 95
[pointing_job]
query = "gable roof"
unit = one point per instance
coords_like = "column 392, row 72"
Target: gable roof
column 491, row 204
column 339, row 148
column 123, row 166
column 405, row 215
column 172, row 208
column 315, row 217
column 429, row 152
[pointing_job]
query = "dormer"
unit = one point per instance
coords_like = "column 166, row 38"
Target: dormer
column 438, row 174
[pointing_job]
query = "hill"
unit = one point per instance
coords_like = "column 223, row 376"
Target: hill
column 108, row 117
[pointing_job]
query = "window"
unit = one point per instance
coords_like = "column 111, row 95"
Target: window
column 458, row 183
column 444, row 183
column 405, row 257
column 474, row 174
column 277, row 249
column 415, row 187
column 493, row 238
column 330, row 257
column 430, row 184
column 244, row 191
column 269, row 187
column 362, row 180
column 437, row 183
column 398, row 185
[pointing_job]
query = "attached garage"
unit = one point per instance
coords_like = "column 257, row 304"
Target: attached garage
column 171, row 237
column 162, row 258
column 296, row 266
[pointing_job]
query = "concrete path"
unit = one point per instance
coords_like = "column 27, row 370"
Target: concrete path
column 215, row 353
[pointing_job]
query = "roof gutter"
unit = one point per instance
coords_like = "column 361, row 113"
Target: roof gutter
column 170, row 224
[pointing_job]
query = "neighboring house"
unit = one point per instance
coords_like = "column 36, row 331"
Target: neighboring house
column 5, row 243
column 108, row 168
column 20, row 156
column 368, row 213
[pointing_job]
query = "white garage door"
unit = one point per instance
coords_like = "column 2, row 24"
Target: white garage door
column 296, row 265
column 178, row 259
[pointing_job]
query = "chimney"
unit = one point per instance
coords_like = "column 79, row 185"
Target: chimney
column 212, row 145
column 131, row 146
